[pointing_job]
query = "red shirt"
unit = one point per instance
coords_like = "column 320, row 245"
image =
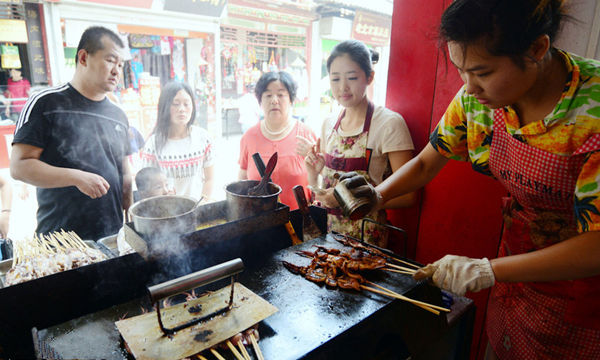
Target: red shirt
column 18, row 89
column 290, row 170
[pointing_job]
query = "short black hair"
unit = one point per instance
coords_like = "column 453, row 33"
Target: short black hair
column 144, row 178
column 358, row 52
column 91, row 40
column 267, row 78
column 506, row 27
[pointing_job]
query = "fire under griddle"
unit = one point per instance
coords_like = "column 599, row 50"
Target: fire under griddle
column 313, row 322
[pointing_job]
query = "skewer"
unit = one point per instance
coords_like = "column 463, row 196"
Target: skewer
column 236, row 353
column 216, row 354
column 77, row 238
column 416, row 267
column 400, row 267
column 399, row 271
column 201, row 357
column 385, row 293
column 243, row 350
column 409, row 299
column 259, row 354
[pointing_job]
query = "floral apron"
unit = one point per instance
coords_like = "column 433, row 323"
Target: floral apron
column 345, row 154
column 540, row 320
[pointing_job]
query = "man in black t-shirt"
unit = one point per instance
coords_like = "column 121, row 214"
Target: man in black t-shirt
column 71, row 142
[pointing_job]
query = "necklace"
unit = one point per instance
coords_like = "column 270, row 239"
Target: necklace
column 276, row 134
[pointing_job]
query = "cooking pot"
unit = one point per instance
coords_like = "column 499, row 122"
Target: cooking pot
column 165, row 214
column 241, row 205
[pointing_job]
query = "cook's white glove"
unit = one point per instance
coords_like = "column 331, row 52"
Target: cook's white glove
column 459, row 274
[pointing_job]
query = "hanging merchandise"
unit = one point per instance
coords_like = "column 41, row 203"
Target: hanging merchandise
column 140, row 41
column 10, row 56
column 178, row 62
column 165, row 45
column 156, row 47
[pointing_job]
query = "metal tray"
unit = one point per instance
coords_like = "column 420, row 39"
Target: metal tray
column 214, row 213
column 5, row 265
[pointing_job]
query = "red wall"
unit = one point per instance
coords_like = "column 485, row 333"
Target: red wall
column 459, row 211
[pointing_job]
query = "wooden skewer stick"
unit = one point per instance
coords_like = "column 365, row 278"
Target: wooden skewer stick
column 259, row 354
column 385, row 293
column 216, row 354
column 400, row 267
column 243, row 350
column 405, row 263
column 411, row 300
column 79, row 239
column 201, row 357
column 236, row 353
column 399, row 271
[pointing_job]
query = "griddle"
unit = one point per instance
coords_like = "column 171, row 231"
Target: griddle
column 314, row 322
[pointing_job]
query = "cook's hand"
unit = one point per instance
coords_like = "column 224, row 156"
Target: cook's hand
column 459, row 274
column 93, row 185
column 303, row 145
column 361, row 188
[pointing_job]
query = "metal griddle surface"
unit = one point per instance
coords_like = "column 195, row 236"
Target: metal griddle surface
column 316, row 322
column 312, row 314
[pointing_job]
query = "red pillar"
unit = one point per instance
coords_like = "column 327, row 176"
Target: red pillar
column 459, row 211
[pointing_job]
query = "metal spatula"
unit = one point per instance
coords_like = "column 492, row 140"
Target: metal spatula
column 262, row 187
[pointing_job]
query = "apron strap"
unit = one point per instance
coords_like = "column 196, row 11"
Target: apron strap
column 368, row 117
column 351, row 164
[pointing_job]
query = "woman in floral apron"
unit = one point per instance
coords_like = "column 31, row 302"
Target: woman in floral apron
column 371, row 140
column 528, row 116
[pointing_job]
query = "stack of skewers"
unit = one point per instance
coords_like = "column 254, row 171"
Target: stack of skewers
column 346, row 270
column 248, row 337
column 49, row 254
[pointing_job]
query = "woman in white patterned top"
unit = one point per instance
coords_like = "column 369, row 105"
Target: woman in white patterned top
column 181, row 150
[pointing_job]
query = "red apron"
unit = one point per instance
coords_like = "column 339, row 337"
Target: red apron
column 540, row 320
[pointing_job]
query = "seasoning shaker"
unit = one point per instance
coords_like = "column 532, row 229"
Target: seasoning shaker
column 352, row 207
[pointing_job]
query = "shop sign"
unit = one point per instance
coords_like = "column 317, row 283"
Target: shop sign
column 13, row 31
column 270, row 15
column 200, row 7
column 371, row 29
column 35, row 47
column 144, row 4
column 286, row 29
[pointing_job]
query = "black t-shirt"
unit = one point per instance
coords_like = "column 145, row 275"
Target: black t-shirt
column 76, row 132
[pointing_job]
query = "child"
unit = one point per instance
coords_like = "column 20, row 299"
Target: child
column 150, row 181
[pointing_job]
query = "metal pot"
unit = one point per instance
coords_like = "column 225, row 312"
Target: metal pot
column 241, row 205
column 166, row 214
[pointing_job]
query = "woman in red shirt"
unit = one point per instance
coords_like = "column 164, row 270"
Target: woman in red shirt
column 277, row 132
column 17, row 88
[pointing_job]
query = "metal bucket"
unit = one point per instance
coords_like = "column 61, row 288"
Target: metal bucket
column 166, row 214
column 241, row 205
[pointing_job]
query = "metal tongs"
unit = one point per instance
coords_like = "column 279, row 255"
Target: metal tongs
column 191, row 281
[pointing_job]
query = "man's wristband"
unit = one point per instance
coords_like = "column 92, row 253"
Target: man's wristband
column 4, row 210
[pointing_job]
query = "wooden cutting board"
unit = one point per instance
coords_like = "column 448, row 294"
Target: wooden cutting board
column 146, row 341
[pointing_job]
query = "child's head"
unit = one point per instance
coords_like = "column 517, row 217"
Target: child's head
column 151, row 181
